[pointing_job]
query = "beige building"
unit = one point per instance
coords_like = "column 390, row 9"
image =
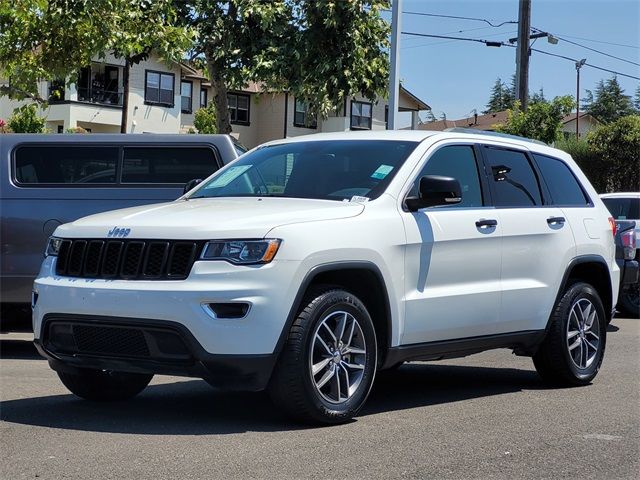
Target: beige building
column 163, row 99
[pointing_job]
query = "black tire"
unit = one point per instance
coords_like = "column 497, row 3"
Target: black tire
column 102, row 386
column 292, row 386
column 628, row 301
column 554, row 360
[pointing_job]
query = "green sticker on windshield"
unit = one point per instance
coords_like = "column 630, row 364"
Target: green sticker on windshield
column 228, row 176
column 381, row 172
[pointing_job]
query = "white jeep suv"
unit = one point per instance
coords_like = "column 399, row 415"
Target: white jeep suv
column 308, row 264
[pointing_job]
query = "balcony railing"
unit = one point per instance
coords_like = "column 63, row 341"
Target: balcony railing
column 100, row 95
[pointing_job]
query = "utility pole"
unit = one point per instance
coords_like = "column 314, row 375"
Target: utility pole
column 394, row 74
column 579, row 65
column 522, row 53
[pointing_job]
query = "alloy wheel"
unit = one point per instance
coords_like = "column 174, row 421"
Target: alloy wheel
column 583, row 329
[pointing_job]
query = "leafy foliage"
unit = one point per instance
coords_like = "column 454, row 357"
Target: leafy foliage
column 608, row 102
column 542, row 120
column 205, row 119
column 25, row 119
column 617, row 146
column 587, row 160
column 636, row 100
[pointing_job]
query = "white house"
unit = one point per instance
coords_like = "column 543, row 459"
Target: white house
column 163, row 98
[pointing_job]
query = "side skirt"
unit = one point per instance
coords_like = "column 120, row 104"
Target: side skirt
column 523, row 343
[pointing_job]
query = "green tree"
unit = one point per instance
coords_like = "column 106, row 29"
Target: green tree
column 55, row 38
column 636, row 100
column 608, row 102
column 502, row 96
column 537, row 97
column 319, row 50
column 542, row 120
column 616, row 147
column 205, row 119
column 25, row 119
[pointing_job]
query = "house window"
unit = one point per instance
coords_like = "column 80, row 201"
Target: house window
column 239, row 108
column 361, row 115
column 186, row 89
column 302, row 117
column 203, row 97
column 159, row 88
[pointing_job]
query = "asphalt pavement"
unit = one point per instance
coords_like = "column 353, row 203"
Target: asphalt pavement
column 485, row 416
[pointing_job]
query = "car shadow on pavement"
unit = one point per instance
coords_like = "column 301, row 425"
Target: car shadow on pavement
column 18, row 350
column 192, row 407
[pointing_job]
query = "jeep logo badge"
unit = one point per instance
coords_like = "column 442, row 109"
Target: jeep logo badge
column 118, row 232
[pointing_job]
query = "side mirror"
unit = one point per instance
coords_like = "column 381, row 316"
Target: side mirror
column 435, row 190
column 191, row 184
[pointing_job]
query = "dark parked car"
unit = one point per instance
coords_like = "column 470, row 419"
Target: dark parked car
column 47, row 180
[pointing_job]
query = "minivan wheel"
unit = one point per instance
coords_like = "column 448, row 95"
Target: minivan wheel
column 104, row 386
column 327, row 366
column 573, row 349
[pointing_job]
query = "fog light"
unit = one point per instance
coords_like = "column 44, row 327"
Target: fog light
column 228, row 310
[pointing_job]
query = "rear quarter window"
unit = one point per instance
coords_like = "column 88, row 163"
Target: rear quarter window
column 65, row 164
column 563, row 185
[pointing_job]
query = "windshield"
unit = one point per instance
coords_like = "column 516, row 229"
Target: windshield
column 623, row 208
column 329, row 170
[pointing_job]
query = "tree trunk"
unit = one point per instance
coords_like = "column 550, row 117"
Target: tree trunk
column 219, row 90
column 125, row 97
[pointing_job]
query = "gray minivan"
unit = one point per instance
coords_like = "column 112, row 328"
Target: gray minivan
column 47, row 180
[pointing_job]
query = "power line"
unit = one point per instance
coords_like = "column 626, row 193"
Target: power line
column 490, row 43
column 422, row 14
column 451, row 41
column 592, row 49
column 602, row 41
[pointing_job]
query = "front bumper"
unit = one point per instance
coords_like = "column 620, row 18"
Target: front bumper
column 74, row 342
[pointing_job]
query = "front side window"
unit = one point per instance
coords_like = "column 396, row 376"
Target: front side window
column 563, row 186
column 302, row 117
column 167, row 164
column 159, row 88
column 328, row 170
column 65, row 164
column 361, row 115
column 459, row 162
column 238, row 108
column 185, row 96
column 512, row 179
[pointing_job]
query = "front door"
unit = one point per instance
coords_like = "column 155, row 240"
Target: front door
column 452, row 261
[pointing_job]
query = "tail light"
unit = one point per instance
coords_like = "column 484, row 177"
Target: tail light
column 612, row 224
column 629, row 244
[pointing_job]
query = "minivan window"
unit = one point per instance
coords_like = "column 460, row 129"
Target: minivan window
column 65, row 164
column 512, row 178
column 563, row 186
column 167, row 164
column 328, row 170
column 459, row 162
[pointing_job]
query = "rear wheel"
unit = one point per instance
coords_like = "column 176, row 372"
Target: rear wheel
column 572, row 351
column 629, row 301
column 327, row 366
column 100, row 385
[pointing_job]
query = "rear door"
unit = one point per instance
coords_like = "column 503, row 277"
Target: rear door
column 537, row 241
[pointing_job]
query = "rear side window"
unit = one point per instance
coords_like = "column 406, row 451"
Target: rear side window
column 167, row 164
column 623, row 208
column 65, row 164
column 513, row 180
column 563, row 186
column 459, row 162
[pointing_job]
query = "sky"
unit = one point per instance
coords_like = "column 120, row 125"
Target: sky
column 456, row 77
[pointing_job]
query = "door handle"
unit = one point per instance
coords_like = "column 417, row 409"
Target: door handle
column 556, row 220
column 486, row 223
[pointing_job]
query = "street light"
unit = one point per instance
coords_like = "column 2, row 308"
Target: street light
column 579, row 65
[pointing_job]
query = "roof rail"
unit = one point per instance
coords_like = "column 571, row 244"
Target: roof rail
column 492, row 134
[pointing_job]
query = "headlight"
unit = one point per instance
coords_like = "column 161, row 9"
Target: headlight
column 53, row 247
column 242, row 252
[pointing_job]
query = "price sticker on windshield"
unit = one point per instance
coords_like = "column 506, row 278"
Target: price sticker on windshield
column 228, row 176
column 381, row 172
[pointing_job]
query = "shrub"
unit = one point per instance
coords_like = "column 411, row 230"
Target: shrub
column 25, row 119
column 205, row 119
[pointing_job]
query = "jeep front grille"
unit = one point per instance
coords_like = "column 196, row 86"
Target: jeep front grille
column 127, row 259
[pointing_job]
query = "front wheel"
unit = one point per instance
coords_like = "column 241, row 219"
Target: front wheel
column 328, row 363
column 572, row 351
column 100, row 385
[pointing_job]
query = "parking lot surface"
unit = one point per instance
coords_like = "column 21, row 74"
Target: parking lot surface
column 484, row 416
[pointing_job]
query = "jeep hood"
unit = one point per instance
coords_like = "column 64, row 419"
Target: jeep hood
column 209, row 218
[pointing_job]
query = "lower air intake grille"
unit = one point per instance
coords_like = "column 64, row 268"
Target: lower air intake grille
column 112, row 341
